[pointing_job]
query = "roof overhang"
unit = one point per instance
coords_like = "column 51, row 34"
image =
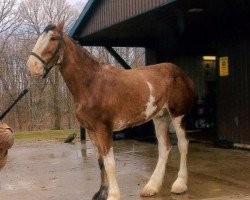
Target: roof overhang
column 187, row 21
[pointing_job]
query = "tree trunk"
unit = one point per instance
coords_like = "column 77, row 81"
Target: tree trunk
column 57, row 112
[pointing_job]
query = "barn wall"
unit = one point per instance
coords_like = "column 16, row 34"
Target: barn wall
column 150, row 56
column 234, row 91
column 109, row 12
column 192, row 65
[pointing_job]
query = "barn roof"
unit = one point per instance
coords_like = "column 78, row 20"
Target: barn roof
column 100, row 17
column 148, row 22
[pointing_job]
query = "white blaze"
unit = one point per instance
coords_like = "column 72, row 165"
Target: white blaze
column 34, row 65
column 42, row 43
column 150, row 107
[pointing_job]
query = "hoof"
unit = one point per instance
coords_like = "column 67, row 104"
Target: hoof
column 179, row 186
column 102, row 194
column 114, row 197
column 149, row 190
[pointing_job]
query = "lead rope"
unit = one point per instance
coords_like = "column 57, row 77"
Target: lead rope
column 45, row 75
column 24, row 92
column 21, row 95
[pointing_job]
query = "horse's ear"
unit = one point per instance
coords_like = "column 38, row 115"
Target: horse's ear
column 60, row 26
column 49, row 22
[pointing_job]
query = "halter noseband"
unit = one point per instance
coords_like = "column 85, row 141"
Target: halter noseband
column 39, row 58
column 55, row 55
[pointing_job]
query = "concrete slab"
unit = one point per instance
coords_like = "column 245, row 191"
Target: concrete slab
column 52, row 170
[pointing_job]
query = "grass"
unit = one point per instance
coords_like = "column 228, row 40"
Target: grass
column 47, row 135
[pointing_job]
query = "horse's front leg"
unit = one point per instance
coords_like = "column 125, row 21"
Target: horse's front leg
column 109, row 163
column 105, row 149
column 102, row 194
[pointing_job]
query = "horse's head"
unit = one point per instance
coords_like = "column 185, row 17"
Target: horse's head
column 47, row 50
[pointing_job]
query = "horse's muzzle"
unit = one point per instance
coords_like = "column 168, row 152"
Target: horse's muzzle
column 34, row 66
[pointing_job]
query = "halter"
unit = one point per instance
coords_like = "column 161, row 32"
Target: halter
column 47, row 70
column 56, row 56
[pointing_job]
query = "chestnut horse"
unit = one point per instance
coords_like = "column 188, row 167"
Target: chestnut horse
column 109, row 99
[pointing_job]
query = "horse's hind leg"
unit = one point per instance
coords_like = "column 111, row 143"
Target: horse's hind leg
column 154, row 185
column 180, row 185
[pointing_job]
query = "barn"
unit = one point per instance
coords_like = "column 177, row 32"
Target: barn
column 209, row 40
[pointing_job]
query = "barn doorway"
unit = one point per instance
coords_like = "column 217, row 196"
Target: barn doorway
column 202, row 119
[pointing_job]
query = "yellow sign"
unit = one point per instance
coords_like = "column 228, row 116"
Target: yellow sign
column 224, row 66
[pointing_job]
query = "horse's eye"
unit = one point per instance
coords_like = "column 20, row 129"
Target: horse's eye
column 53, row 38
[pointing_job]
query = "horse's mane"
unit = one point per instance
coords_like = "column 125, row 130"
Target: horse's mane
column 85, row 51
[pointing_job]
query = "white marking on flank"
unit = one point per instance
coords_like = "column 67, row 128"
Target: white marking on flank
column 150, row 107
column 120, row 125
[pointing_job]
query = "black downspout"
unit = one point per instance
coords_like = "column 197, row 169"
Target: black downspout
column 82, row 134
column 118, row 57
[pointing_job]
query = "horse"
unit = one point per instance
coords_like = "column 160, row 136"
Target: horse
column 109, row 99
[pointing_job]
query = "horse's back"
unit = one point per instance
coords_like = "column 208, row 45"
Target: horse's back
column 166, row 79
column 166, row 82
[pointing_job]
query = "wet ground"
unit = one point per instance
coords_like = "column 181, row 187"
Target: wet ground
column 52, row 170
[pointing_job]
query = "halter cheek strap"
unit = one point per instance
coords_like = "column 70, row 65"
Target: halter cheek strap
column 55, row 55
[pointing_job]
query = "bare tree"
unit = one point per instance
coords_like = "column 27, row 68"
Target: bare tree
column 36, row 15
column 49, row 104
column 46, row 97
column 9, row 22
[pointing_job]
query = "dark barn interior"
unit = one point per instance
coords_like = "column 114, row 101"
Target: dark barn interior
column 209, row 40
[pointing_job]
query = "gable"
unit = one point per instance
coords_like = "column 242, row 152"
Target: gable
column 98, row 15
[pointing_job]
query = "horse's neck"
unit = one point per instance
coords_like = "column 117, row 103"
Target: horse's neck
column 78, row 68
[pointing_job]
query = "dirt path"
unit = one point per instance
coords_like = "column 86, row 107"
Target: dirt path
column 53, row 170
